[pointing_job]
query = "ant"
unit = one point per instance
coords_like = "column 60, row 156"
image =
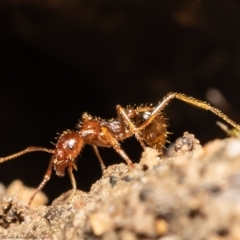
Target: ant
column 145, row 122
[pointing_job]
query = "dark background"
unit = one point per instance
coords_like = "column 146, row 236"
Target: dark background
column 61, row 58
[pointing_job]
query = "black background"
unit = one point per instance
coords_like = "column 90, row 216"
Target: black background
column 59, row 59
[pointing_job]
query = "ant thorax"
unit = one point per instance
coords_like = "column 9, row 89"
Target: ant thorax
column 93, row 130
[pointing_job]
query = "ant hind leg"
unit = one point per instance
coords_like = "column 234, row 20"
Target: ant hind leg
column 115, row 144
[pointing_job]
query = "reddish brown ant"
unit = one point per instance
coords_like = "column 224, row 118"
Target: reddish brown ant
column 145, row 122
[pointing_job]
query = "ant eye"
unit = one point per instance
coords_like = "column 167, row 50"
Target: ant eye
column 70, row 144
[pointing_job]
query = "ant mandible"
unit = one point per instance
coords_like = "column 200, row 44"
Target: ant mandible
column 145, row 122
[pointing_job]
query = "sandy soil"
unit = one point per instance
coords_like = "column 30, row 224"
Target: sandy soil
column 192, row 195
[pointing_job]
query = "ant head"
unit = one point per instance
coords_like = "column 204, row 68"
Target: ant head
column 67, row 149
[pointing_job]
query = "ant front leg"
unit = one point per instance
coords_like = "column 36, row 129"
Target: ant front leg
column 49, row 169
column 46, row 178
column 72, row 178
column 27, row 150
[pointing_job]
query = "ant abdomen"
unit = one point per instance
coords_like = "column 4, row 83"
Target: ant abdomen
column 155, row 133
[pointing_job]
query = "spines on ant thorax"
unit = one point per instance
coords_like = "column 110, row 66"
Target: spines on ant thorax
column 87, row 117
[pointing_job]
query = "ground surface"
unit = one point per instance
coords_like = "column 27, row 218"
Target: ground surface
column 194, row 195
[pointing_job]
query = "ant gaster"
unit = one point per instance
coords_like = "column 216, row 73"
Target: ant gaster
column 145, row 122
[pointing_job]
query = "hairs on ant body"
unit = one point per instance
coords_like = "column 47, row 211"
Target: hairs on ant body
column 145, row 122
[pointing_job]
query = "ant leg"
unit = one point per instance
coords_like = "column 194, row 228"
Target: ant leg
column 184, row 98
column 73, row 181
column 122, row 116
column 206, row 106
column 99, row 157
column 72, row 178
column 27, row 150
column 230, row 132
column 44, row 181
column 154, row 113
column 115, row 144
